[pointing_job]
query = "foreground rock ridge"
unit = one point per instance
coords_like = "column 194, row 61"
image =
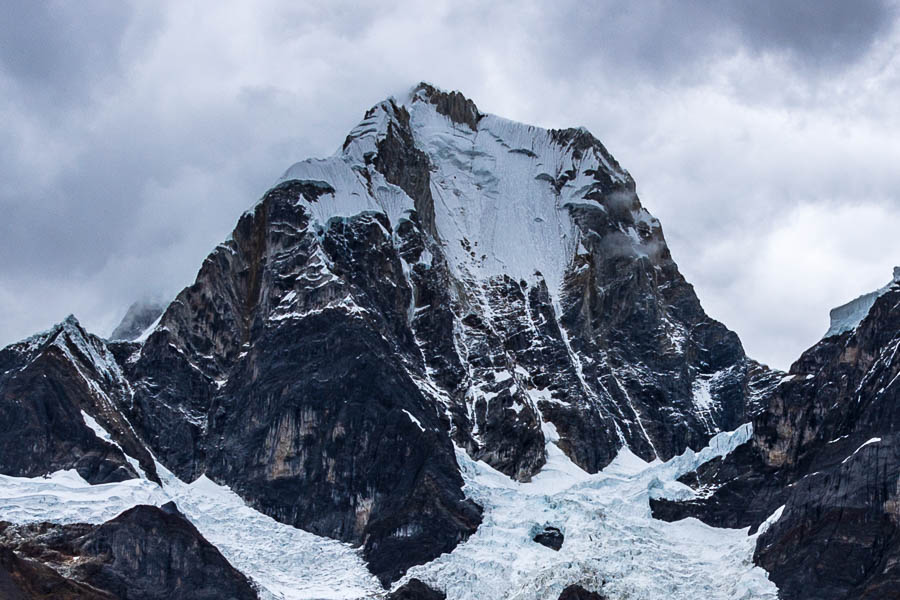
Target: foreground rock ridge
column 449, row 281
column 143, row 554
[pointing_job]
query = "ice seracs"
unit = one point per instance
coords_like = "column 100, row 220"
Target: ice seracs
column 612, row 544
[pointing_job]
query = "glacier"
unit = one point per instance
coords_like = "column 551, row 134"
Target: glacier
column 612, row 543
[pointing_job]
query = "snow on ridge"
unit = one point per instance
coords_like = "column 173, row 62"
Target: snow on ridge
column 104, row 435
column 142, row 337
column 874, row 440
column 847, row 317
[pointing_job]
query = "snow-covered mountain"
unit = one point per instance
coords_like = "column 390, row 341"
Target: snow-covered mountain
column 459, row 345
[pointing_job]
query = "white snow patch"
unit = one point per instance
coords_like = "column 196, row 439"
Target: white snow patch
column 771, row 520
column 150, row 329
column 874, row 440
column 501, row 376
column 104, row 435
column 414, row 420
column 704, row 403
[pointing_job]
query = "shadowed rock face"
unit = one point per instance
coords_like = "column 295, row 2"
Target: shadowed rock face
column 576, row 592
column 827, row 448
column 551, row 537
column 146, row 553
column 25, row 579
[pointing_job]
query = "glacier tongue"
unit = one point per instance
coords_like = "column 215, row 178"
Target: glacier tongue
column 847, row 317
column 286, row 563
column 612, row 544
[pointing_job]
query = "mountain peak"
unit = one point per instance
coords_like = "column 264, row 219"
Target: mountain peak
column 452, row 105
column 139, row 316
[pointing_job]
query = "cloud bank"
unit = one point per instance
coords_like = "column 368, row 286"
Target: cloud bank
column 763, row 135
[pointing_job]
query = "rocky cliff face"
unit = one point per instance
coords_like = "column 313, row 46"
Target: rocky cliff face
column 824, row 459
column 61, row 395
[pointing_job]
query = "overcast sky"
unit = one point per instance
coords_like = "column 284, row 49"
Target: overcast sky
column 765, row 135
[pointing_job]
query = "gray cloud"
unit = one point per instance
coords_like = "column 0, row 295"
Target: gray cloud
column 663, row 39
column 63, row 53
column 760, row 133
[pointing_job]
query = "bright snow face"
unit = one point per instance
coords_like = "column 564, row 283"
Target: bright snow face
column 496, row 211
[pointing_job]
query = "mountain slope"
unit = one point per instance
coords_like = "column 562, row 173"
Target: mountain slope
column 61, row 392
column 145, row 553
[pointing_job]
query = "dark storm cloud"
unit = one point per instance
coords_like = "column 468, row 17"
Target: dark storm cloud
column 665, row 40
column 814, row 32
column 133, row 134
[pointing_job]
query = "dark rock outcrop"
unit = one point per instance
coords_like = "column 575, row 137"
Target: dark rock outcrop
column 452, row 105
column 416, row 590
column 315, row 420
column 551, row 537
column 146, row 553
column 576, row 592
column 47, row 383
column 26, row 579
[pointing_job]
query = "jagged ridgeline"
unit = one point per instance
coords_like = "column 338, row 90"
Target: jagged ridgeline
column 449, row 287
